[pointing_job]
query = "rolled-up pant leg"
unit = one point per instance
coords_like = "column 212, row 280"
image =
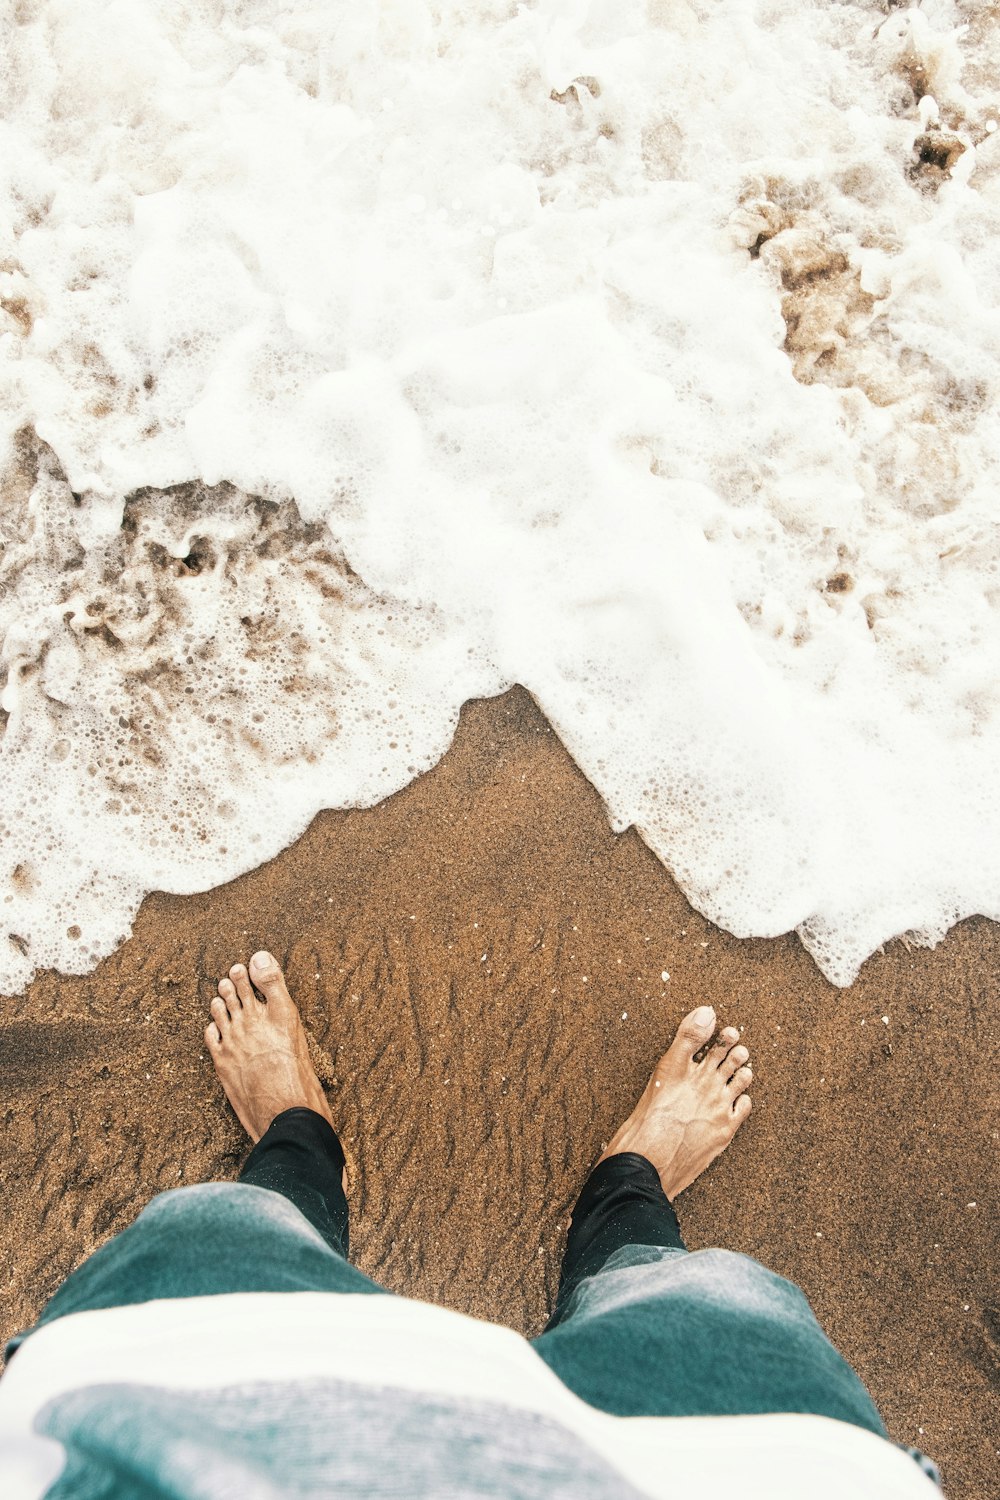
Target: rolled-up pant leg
column 622, row 1203
column 644, row 1328
column 281, row 1228
column 300, row 1157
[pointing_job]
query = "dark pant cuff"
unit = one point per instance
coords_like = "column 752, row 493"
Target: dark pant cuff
column 300, row 1157
column 622, row 1203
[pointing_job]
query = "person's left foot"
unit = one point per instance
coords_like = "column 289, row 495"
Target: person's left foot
column 693, row 1105
column 259, row 1047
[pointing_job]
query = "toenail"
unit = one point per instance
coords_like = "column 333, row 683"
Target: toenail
column 703, row 1015
column 263, row 960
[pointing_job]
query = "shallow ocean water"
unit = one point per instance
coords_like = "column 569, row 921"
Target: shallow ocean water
column 354, row 363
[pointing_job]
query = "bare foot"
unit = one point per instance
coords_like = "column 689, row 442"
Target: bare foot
column 690, row 1109
column 259, row 1048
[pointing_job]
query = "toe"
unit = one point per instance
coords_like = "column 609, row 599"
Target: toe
column 694, row 1031
column 241, row 981
column 724, row 1042
column 733, row 1061
column 228, row 993
column 268, row 978
column 740, row 1081
column 212, row 1037
column 742, row 1108
column 220, row 1015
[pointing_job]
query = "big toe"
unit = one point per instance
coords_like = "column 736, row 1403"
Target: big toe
column 693, row 1032
column 267, row 976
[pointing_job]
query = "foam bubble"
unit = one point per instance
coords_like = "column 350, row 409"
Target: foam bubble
column 352, row 366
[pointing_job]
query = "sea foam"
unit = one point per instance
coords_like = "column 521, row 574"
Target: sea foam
column 359, row 360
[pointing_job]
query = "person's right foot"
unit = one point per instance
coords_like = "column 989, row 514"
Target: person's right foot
column 690, row 1109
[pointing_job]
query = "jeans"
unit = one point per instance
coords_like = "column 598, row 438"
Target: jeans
column 641, row 1327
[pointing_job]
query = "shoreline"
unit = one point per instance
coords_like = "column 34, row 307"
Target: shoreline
column 479, row 958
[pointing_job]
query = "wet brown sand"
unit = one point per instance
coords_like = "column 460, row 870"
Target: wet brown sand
column 481, row 959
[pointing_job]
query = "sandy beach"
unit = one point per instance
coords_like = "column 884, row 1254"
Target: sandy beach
column 621, row 384
column 482, row 965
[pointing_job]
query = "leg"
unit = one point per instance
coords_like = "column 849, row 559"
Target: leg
column 283, row 1226
column 690, row 1111
column 622, row 1203
column 641, row 1328
column 300, row 1157
column 260, row 1053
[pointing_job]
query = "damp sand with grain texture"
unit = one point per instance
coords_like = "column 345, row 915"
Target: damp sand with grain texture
column 480, row 960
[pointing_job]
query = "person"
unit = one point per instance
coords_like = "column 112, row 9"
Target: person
column 223, row 1345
